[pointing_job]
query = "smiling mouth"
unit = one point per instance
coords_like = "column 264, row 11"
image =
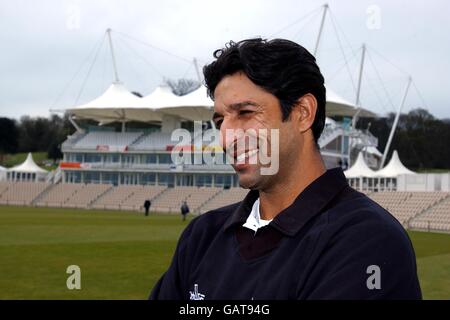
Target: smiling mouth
column 245, row 155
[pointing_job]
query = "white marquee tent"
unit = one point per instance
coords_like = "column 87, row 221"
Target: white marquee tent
column 3, row 171
column 119, row 104
column 26, row 171
column 115, row 104
column 162, row 96
column 359, row 169
column 394, row 168
column 192, row 106
column 361, row 177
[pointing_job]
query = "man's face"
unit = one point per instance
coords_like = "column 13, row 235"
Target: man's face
column 240, row 104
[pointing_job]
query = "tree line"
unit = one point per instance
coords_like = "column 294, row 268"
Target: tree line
column 422, row 140
column 34, row 134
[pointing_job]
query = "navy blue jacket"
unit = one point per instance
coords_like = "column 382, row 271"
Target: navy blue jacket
column 331, row 243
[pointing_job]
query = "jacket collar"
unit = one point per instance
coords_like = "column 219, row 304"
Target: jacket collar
column 311, row 201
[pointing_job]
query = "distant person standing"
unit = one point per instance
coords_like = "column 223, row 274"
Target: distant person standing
column 147, row 205
column 184, row 210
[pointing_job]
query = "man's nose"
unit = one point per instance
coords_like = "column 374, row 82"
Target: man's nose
column 229, row 130
column 226, row 125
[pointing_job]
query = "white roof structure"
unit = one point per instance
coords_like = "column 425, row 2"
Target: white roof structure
column 162, row 96
column 28, row 166
column 2, row 168
column 359, row 169
column 198, row 106
column 119, row 104
column 192, row 106
column 338, row 106
column 394, row 168
column 115, row 104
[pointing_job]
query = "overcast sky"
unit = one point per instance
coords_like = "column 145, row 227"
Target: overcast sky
column 52, row 54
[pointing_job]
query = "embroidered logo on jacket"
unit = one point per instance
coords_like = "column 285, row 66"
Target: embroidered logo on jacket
column 196, row 295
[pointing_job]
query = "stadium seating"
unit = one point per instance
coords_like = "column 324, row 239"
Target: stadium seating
column 128, row 197
column 4, row 185
column 114, row 198
column 223, row 198
column 153, row 141
column 111, row 140
column 73, row 139
column 437, row 218
column 21, row 193
column 405, row 206
column 416, row 210
column 200, row 196
column 136, row 200
column 58, row 195
column 86, row 195
column 417, row 203
column 170, row 200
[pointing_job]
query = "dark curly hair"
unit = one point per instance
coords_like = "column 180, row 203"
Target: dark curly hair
column 281, row 67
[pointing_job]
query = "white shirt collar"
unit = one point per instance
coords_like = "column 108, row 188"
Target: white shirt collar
column 254, row 221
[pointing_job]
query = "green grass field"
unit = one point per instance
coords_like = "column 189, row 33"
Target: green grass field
column 122, row 254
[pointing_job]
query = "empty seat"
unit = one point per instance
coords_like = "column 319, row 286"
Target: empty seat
column 117, row 141
column 84, row 196
column 224, row 198
column 136, row 199
column 22, row 193
column 59, row 194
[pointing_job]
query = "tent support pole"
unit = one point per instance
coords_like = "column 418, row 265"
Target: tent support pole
column 358, row 109
column 116, row 76
column 199, row 78
column 75, row 124
column 394, row 125
column 358, row 90
column 322, row 23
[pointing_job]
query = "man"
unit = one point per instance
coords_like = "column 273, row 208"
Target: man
column 147, row 205
column 301, row 232
column 184, row 210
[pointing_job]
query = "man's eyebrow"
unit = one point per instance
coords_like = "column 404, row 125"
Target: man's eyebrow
column 239, row 105
column 236, row 106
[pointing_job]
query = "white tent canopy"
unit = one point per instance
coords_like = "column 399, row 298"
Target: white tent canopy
column 197, row 98
column 394, row 168
column 192, row 106
column 115, row 104
column 359, row 169
column 338, row 106
column 28, row 166
column 198, row 106
column 2, row 173
column 162, row 96
column 119, row 104
column 26, row 171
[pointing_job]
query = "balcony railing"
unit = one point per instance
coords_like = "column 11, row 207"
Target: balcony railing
column 153, row 166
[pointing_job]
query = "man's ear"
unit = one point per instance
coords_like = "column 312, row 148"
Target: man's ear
column 305, row 111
